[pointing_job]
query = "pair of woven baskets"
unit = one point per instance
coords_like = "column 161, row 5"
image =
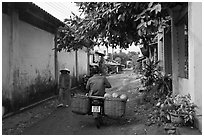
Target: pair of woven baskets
column 114, row 107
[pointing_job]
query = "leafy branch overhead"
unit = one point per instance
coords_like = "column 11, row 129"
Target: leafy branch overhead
column 113, row 24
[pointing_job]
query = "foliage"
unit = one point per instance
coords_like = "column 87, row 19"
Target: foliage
column 186, row 108
column 179, row 106
column 123, row 56
column 131, row 54
column 164, row 83
column 114, row 24
column 150, row 71
column 136, row 65
column 70, row 38
column 118, row 59
column 153, row 76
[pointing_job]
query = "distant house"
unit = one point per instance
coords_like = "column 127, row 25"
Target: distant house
column 95, row 57
column 30, row 66
column 114, row 67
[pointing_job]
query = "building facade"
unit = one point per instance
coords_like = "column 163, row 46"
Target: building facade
column 30, row 65
column 181, row 53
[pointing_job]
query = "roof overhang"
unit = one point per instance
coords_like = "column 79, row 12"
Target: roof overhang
column 99, row 53
column 34, row 15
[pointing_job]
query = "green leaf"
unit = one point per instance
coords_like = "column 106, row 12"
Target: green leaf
column 141, row 25
column 149, row 22
column 138, row 17
column 139, row 32
column 158, row 8
column 150, row 4
column 121, row 17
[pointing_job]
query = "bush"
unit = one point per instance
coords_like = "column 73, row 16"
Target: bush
column 153, row 76
column 179, row 106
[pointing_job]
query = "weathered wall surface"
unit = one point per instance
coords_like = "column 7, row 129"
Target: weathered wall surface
column 195, row 56
column 36, row 59
column 28, row 63
column 193, row 84
column 183, row 85
column 71, row 60
column 6, row 35
column 82, row 62
column 68, row 60
column 29, row 69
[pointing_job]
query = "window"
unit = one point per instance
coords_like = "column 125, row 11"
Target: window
column 183, row 47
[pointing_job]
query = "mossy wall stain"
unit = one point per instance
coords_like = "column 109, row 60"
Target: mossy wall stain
column 35, row 89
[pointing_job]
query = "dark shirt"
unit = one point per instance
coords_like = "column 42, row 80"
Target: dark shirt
column 64, row 81
column 96, row 85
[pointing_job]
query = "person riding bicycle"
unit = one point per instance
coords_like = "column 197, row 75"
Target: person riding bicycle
column 97, row 83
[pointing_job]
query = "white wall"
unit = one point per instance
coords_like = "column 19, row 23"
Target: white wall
column 183, row 85
column 36, row 55
column 82, row 62
column 68, row 60
column 192, row 84
column 27, row 61
column 195, row 55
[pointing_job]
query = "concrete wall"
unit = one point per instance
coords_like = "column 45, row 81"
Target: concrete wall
column 36, row 55
column 6, row 31
column 28, row 63
column 68, row 60
column 82, row 62
column 183, row 85
column 195, row 55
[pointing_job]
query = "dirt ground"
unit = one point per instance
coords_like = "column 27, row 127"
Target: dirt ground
column 46, row 119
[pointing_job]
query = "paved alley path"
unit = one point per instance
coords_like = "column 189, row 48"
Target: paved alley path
column 63, row 121
column 46, row 119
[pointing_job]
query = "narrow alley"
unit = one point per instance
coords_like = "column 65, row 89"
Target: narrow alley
column 61, row 121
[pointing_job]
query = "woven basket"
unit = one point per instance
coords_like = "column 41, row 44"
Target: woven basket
column 80, row 104
column 114, row 107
